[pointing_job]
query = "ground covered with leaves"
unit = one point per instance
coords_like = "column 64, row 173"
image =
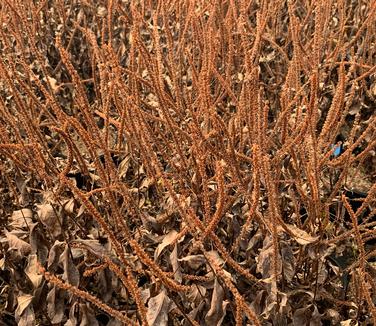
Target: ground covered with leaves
column 187, row 162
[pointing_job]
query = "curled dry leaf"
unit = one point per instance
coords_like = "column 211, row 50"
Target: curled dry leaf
column 196, row 294
column 32, row 271
column 301, row 236
column 54, row 254
column 23, row 301
column 167, row 240
column 106, row 284
column 69, row 205
column 94, row 247
column 28, row 317
column 20, row 245
column 53, row 83
column 216, row 312
column 39, row 244
column 288, row 261
column 194, row 261
column 88, row 316
column 264, row 260
column 71, row 273
column 349, row 322
column 308, row 315
column 215, row 257
column 49, row 218
column 124, row 166
column 258, row 304
column 72, row 321
column 21, row 218
column 55, row 304
column 24, row 313
column 158, row 309
column 175, row 264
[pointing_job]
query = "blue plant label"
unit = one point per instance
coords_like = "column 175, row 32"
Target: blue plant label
column 337, row 149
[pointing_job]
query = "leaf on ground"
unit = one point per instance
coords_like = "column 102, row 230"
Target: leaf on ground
column 349, row 322
column 301, row 236
column 258, row 304
column 49, row 218
column 216, row 313
column 167, row 240
column 124, row 166
column 158, row 309
column 39, row 244
column 305, row 316
column 72, row 321
column 105, row 284
column 32, row 271
column 194, row 261
column 88, row 316
column 175, row 264
column 94, row 247
column 21, row 218
column 27, row 318
column 56, row 304
column 69, row 205
column 23, row 301
column 53, row 83
column 71, row 273
column 288, row 261
column 264, row 260
column 215, row 257
column 20, row 245
column 54, row 254
column 196, row 293
column 193, row 314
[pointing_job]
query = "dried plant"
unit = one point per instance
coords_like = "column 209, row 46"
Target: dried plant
column 187, row 162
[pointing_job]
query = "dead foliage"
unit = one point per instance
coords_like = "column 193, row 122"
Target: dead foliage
column 187, row 162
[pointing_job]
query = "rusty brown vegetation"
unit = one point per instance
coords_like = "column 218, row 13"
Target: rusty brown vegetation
column 179, row 163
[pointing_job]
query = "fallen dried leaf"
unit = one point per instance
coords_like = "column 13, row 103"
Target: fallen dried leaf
column 301, row 236
column 158, row 309
column 21, row 218
column 23, row 301
column 216, row 312
column 49, row 218
column 32, row 271
column 16, row 243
